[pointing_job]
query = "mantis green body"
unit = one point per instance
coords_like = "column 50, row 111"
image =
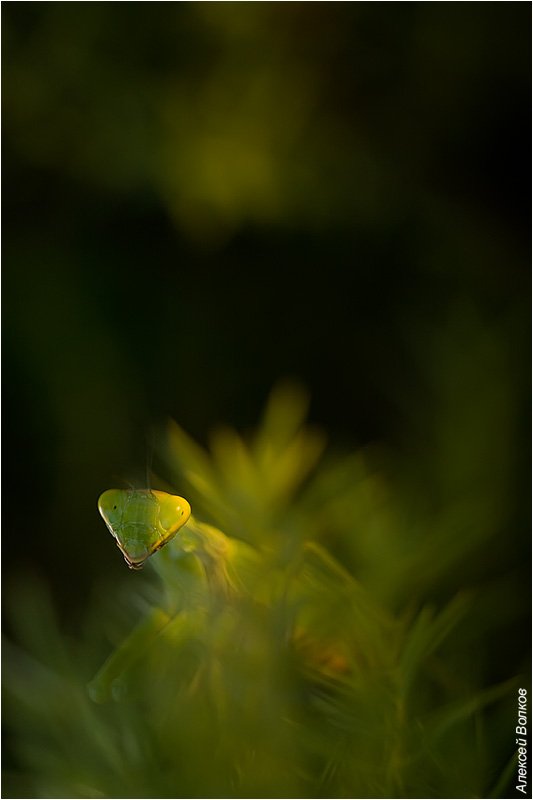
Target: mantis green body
column 204, row 573
column 204, row 564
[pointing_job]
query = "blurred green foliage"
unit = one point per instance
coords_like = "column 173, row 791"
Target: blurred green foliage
column 302, row 656
column 198, row 199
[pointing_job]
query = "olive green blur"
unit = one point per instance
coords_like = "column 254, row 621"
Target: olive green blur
column 273, row 258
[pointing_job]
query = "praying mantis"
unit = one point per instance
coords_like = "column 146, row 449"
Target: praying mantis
column 204, row 572
column 202, row 568
column 142, row 521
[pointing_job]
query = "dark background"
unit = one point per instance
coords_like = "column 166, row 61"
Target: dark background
column 200, row 199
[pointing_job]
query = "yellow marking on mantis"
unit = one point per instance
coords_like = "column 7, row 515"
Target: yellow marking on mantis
column 142, row 520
